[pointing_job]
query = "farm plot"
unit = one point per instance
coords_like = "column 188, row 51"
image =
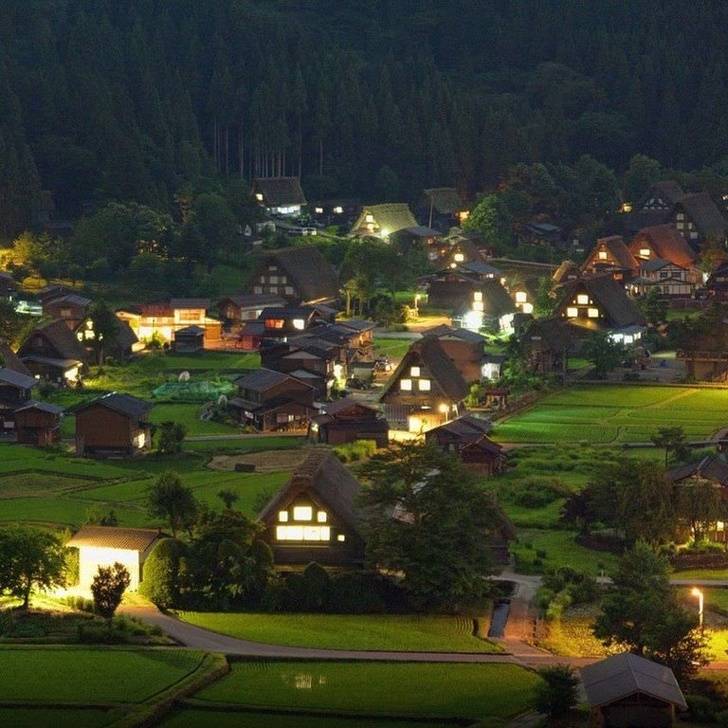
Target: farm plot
column 366, row 689
column 354, row 632
column 616, row 414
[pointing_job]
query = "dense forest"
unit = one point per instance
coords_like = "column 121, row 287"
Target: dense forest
column 146, row 101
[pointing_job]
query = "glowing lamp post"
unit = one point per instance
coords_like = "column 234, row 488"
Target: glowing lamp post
column 699, row 594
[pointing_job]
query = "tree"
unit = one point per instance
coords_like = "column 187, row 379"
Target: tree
column 103, row 331
column 559, row 691
column 30, row 558
column 161, row 583
column 673, row 440
column 700, row 505
column 641, row 613
column 429, row 522
column 169, row 499
column 171, row 437
column 653, row 306
column 108, row 587
column 228, row 496
column 489, row 218
column 604, row 353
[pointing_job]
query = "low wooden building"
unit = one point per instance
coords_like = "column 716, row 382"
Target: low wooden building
column 315, row 517
column 466, row 349
column 628, row 690
column 107, row 545
column 70, row 308
column 188, row 340
column 113, row 424
column 347, row 420
column 38, row 423
column 467, row 437
column 15, row 391
column 53, row 352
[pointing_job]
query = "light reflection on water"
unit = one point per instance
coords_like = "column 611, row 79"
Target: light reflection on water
column 303, row 680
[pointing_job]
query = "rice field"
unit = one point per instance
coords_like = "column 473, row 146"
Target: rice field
column 613, row 414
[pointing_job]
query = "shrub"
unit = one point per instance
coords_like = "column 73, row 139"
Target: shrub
column 357, row 592
column 161, row 583
column 558, row 692
column 700, row 709
column 357, row 450
column 536, row 493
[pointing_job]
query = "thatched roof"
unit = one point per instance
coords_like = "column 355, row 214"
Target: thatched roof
column 390, row 218
column 59, row 340
column 311, row 275
column 616, row 249
column 704, row 213
column 619, row 310
column 709, row 468
column 279, row 191
column 10, row 360
column 445, row 200
column 325, row 479
column 665, row 242
column 665, row 194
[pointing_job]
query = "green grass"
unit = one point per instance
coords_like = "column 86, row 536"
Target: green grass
column 434, row 690
column 394, row 348
column 354, row 632
column 615, row 414
column 188, row 415
column 244, row 444
column 90, row 676
column 571, row 636
column 56, row 717
column 207, row 361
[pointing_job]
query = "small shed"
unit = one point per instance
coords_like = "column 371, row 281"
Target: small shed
column 628, row 690
column 189, row 340
column 38, row 423
column 105, row 545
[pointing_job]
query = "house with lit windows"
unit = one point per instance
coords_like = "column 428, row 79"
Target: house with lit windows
column 425, row 390
column 466, row 349
column 464, row 250
column 235, row 310
column 611, row 255
column 70, row 308
column 281, row 323
column 442, row 207
column 382, row 221
column 52, row 351
column 347, row 420
column 699, row 220
column 601, row 304
column 301, row 275
column 314, row 517
column 280, row 196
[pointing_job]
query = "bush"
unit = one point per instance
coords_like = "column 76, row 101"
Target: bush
column 161, row 583
column 700, row 709
column 558, row 692
column 357, row 592
column 354, row 451
column 536, row 493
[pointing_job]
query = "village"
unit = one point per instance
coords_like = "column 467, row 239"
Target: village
column 274, row 400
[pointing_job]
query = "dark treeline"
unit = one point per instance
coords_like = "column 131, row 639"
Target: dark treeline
column 140, row 100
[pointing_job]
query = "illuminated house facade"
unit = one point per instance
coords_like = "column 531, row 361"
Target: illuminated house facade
column 382, row 221
column 611, row 255
column 314, row 516
column 601, row 304
column 52, row 351
column 425, row 390
column 106, row 545
column 280, row 196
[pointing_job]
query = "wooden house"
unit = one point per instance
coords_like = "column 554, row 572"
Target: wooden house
column 601, row 304
column 314, row 517
column 538, row 232
column 629, row 690
column 421, row 237
column 160, row 320
column 38, row 423
column 467, row 437
column 279, row 196
column 8, row 287
column 107, row 545
column 487, row 306
column 611, row 255
column 669, row 279
column 717, row 283
column 113, row 424
column 15, row 391
column 282, row 323
column 10, row 360
column 425, row 390
column 665, row 242
column 188, row 340
column 251, row 336
column 653, row 208
column 443, row 208
column 382, row 221
column 347, row 420
column 705, row 355
column 70, row 308
column 52, row 351
column 466, row 349
column 234, row 311
column 547, row 343
column 273, row 401
column 462, row 251
column 699, row 220
column 567, row 271
column 711, row 471
column 300, row 275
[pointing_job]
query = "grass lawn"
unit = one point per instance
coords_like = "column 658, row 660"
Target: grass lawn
column 90, row 675
column 342, row 631
column 188, row 415
column 616, row 414
column 571, row 636
column 203, row 361
column 394, row 348
column 424, row 690
column 56, row 717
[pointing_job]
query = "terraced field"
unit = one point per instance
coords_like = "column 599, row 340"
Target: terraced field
column 616, row 414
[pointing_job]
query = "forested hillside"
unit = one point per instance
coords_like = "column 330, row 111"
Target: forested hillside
column 141, row 100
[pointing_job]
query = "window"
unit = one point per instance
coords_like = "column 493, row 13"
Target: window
column 405, row 385
column 664, row 274
column 582, row 299
column 257, row 289
column 289, row 290
column 593, row 313
column 458, row 257
column 478, row 306
column 680, row 216
column 299, row 324
column 274, row 323
column 414, row 371
column 302, row 513
column 259, row 196
column 368, row 218
column 273, row 279
column 424, row 385
column 477, row 295
column 341, row 537
column 602, row 255
column 303, row 533
column 338, row 210
column 322, row 517
column 572, row 312
column 521, row 296
column 282, row 516
column 644, row 252
column 65, row 313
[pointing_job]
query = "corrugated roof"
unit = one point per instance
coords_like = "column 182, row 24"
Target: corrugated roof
column 123, row 403
column 17, row 380
column 113, row 537
column 622, row 675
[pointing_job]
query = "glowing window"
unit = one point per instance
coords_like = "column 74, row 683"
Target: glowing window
column 299, row 324
column 302, row 513
column 341, row 537
column 424, row 385
column 259, row 196
column 644, row 252
column 405, row 385
column 593, row 313
column 521, row 296
column 602, row 255
column 289, row 290
column 319, row 210
column 478, row 306
column 274, row 323
column 477, row 296
column 257, row 289
column 273, row 279
column 338, row 210
column 459, row 257
column 322, row 517
column 680, row 216
column 414, row 371
column 282, row 516
column 369, row 218
column 572, row 312
column 303, row 533
column 582, row 299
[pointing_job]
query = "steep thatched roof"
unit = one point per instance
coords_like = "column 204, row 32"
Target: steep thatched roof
column 59, row 342
column 311, row 275
column 665, row 194
column 9, row 359
column 445, row 200
column 387, row 218
column 666, row 242
column 279, row 191
column 704, row 213
column 617, row 250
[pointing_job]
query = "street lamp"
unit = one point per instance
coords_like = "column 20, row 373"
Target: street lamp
column 697, row 593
